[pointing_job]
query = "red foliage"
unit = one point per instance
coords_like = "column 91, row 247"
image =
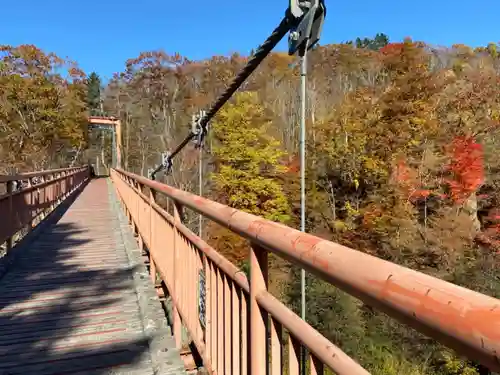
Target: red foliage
column 490, row 236
column 392, row 49
column 467, row 168
column 493, row 215
column 420, row 193
column 407, row 180
column 402, row 173
column 372, row 213
column 294, row 165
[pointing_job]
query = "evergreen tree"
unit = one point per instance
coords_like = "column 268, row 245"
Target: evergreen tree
column 380, row 41
column 94, row 94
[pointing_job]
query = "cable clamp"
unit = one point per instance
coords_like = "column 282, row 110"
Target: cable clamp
column 309, row 16
column 198, row 130
column 166, row 162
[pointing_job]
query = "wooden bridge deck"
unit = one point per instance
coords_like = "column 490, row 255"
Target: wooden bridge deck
column 78, row 299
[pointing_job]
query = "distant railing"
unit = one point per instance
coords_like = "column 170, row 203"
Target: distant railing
column 235, row 337
column 27, row 198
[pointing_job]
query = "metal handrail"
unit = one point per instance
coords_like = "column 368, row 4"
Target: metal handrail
column 24, row 206
column 28, row 175
column 461, row 319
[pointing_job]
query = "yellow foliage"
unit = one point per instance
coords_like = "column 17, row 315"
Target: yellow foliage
column 249, row 160
column 45, row 113
column 392, row 366
column 456, row 366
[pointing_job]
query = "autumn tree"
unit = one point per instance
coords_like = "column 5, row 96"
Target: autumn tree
column 42, row 109
column 248, row 161
column 155, row 97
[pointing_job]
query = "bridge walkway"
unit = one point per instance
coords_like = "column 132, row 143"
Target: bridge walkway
column 78, row 299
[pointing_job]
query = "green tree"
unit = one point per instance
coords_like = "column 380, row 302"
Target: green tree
column 247, row 162
column 94, row 94
column 375, row 44
column 380, row 41
column 249, row 159
column 493, row 50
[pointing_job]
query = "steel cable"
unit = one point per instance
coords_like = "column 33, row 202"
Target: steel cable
column 260, row 54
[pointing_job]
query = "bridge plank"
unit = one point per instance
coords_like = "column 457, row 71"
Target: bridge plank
column 70, row 303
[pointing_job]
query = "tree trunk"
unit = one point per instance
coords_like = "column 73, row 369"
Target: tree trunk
column 470, row 207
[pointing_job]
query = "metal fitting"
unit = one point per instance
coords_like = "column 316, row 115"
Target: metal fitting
column 294, row 35
column 308, row 18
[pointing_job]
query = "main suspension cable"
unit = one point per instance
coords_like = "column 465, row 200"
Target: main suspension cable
column 304, row 19
column 260, row 54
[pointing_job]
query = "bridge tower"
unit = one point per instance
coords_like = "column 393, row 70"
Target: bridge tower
column 108, row 125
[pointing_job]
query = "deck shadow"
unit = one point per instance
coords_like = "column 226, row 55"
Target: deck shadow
column 68, row 304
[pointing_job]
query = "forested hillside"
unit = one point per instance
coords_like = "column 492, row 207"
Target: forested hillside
column 401, row 154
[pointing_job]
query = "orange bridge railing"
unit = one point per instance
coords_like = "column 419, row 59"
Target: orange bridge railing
column 244, row 325
column 27, row 198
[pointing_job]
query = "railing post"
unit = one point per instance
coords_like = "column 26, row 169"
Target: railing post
column 51, row 193
column 258, row 318
column 152, row 265
column 208, row 308
column 10, row 190
column 178, row 218
column 31, row 202
column 128, row 207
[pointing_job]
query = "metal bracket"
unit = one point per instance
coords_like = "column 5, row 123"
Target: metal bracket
column 310, row 15
column 198, row 130
column 166, row 162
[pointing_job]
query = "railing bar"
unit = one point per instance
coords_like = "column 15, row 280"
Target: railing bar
column 25, row 176
column 276, row 347
column 293, row 355
column 229, row 269
column 236, row 370
column 193, row 286
column 187, row 256
column 215, row 320
column 195, row 293
column 316, row 343
column 184, row 259
column 258, row 317
column 220, row 323
column 36, row 200
column 198, row 343
column 177, row 274
column 228, row 312
column 245, row 324
column 430, row 305
column 316, row 366
column 176, row 303
column 208, row 308
column 200, row 260
column 39, row 186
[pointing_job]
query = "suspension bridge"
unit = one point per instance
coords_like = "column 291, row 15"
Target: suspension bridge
column 98, row 277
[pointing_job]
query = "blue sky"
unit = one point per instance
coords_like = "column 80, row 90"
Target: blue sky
column 101, row 35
